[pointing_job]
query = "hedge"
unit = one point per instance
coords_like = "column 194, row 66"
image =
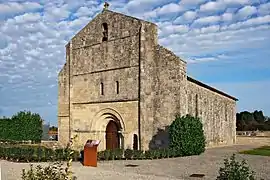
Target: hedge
column 23, row 126
column 29, row 153
column 129, row 154
column 187, row 136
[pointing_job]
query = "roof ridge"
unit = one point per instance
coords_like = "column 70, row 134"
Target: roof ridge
column 127, row 16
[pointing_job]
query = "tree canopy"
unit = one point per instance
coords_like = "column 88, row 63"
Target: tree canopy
column 251, row 121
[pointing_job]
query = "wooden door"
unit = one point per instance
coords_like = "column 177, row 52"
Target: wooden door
column 112, row 138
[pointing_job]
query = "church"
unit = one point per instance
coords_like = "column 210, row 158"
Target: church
column 121, row 87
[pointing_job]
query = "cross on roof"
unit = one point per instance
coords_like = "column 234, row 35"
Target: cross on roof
column 106, row 5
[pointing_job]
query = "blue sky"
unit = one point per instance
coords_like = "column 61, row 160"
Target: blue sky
column 225, row 42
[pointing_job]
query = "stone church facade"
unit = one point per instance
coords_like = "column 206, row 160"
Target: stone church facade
column 120, row 86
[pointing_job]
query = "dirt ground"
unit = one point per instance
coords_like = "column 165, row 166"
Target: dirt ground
column 207, row 163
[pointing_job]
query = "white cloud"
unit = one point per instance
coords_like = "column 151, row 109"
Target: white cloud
column 9, row 49
column 169, row 8
column 210, row 39
column 264, row 9
column 207, row 20
column 57, row 13
column 27, row 17
column 200, row 60
column 168, row 28
column 219, row 5
column 250, row 22
column 85, row 11
column 210, row 29
column 143, row 5
column 33, row 52
column 227, row 17
column 14, row 7
column 187, row 17
column 212, row 6
column 246, row 12
column 193, row 2
column 241, row 2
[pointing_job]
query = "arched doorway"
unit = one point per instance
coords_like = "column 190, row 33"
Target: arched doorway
column 112, row 137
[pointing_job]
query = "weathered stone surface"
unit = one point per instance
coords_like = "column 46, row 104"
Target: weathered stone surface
column 165, row 98
column 152, row 87
column 217, row 113
column 90, row 121
column 86, row 88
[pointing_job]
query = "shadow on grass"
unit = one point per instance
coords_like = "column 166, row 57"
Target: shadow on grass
column 262, row 151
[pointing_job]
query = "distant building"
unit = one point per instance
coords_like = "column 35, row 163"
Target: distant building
column 45, row 129
column 53, row 135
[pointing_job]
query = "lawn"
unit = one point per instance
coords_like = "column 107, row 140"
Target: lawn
column 263, row 151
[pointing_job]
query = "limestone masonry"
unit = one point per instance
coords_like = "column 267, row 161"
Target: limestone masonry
column 120, row 86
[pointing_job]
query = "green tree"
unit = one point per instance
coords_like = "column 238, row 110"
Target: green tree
column 247, row 121
column 186, row 135
column 258, row 116
column 22, row 126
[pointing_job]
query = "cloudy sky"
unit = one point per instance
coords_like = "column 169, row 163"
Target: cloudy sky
column 225, row 42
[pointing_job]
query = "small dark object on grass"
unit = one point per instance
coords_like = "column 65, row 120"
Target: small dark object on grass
column 197, row 175
column 131, row 165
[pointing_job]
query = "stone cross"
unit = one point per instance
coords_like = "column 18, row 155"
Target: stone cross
column 106, row 5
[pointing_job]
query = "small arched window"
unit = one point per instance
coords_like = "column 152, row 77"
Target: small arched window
column 135, row 142
column 105, row 32
column 196, row 105
column 117, row 87
column 101, row 89
column 226, row 112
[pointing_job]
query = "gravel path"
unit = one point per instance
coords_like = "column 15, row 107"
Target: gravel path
column 174, row 169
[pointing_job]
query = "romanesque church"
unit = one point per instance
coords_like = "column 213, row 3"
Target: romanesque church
column 121, row 87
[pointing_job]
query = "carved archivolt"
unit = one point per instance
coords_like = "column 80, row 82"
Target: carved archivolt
column 102, row 118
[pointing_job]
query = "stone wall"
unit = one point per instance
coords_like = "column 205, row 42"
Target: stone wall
column 217, row 113
column 87, row 88
column 162, row 91
column 113, row 54
column 98, row 66
column 119, row 27
column 90, row 121
column 63, row 101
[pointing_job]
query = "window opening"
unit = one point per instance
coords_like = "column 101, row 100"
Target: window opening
column 197, row 108
column 101, row 89
column 117, row 87
column 226, row 112
column 105, row 32
column 135, row 142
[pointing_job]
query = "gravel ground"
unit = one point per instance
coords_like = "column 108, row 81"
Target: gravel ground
column 177, row 168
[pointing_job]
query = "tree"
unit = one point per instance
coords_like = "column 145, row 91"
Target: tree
column 247, row 121
column 22, row 126
column 258, row 116
column 186, row 136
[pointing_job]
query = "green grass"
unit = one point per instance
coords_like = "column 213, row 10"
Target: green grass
column 262, row 151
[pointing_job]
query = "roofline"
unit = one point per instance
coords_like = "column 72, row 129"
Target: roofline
column 210, row 88
column 160, row 46
column 130, row 16
column 111, row 12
